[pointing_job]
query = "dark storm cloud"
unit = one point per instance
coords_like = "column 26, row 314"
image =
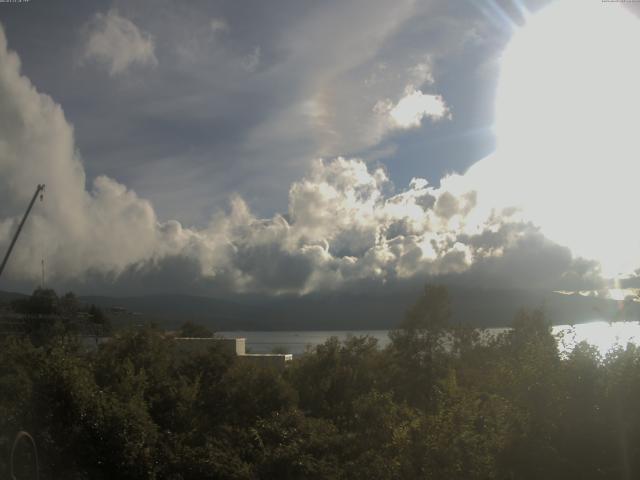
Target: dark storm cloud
column 518, row 255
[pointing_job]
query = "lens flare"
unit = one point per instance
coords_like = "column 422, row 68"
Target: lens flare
column 567, row 114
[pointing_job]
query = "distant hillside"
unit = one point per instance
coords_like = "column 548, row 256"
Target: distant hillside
column 495, row 307
column 171, row 310
column 349, row 311
column 337, row 311
column 6, row 297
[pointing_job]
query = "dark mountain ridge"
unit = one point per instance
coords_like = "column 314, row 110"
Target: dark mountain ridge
column 364, row 311
column 479, row 307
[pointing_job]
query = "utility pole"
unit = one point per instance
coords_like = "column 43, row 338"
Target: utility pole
column 39, row 190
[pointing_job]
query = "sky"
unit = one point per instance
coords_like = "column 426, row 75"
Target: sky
column 290, row 147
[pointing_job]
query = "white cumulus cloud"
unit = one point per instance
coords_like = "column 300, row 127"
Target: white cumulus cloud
column 413, row 107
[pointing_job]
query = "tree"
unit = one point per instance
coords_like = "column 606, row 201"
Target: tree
column 41, row 316
column 418, row 346
column 41, row 302
column 431, row 313
column 527, row 372
column 329, row 379
column 99, row 322
column 190, row 329
column 291, row 445
column 69, row 304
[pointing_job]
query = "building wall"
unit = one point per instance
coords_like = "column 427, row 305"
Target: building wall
column 234, row 346
column 276, row 361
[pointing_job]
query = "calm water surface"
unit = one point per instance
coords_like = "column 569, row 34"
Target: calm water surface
column 601, row 334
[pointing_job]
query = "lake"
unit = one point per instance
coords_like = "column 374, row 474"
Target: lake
column 603, row 335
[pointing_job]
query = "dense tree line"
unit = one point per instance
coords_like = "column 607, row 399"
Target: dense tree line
column 439, row 402
column 45, row 315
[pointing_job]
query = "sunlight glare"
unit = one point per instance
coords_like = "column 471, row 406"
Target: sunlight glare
column 602, row 335
column 567, row 111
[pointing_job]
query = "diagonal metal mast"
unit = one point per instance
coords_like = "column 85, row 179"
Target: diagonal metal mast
column 39, row 190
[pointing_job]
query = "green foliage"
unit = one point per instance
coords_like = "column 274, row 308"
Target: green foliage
column 291, row 445
column 45, row 316
column 69, row 304
column 418, row 349
column 190, row 329
column 331, row 378
column 432, row 311
column 439, row 402
column 41, row 302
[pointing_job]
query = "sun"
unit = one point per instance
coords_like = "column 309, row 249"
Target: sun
column 568, row 128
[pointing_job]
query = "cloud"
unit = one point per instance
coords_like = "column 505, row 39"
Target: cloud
column 412, row 108
column 106, row 228
column 251, row 61
column 187, row 149
column 518, row 255
column 118, row 43
column 422, row 73
column 219, row 25
column 345, row 226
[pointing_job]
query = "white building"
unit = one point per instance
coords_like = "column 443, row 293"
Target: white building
column 235, row 346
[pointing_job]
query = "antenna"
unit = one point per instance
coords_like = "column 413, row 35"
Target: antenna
column 42, row 283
